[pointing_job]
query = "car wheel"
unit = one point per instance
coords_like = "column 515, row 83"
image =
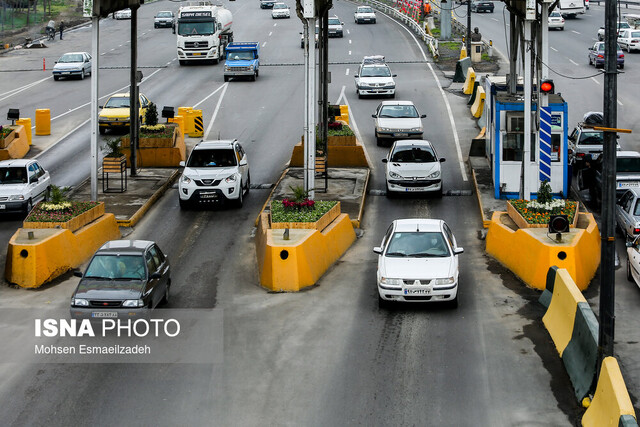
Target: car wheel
column 102, row 130
column 184, row 204
column 374, row 21
column 165, row 297
column 82, row 74
column 389, row 194
column 182, row 62
column 383, row 303
column 240, row 200
column 248, row 182
column 621, row 66
column 561, row 28
column 47, row 194
column 253, row 77
column 629, row 276
column 226, row 78
column 378, row 140
column 439, row 192
column 56, row 78
column 28, row 206
column 600, row 38
column 393, row 95
column 359, row 94
column 155, row 26
column 454, row 302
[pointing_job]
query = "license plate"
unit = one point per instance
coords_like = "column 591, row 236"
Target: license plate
column 416, row 188
column 209, row 196
column 103, row 314
column 3, row 207
column 594, row 156
column 66, row 72
column 628, row 184
column 401, row 134
column 417, row 291
column 196, row 54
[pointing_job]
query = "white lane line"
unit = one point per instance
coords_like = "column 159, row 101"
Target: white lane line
column 446, row 102
column 349, row 41
column 275, row 25
column 215, row 112
column 352, row 121
column 270, row 32
column 168, row 63
column 349, row 52
column 348, row 32
column 573, row 62
column 120, row 46
column 20, row 89
column 112, row 49
column 553, row 48
column 596, row 81
column 495, row 19
column 575, row 32
column 263, row 44
column 346, row 72
column 210, row 95
column 620, row 103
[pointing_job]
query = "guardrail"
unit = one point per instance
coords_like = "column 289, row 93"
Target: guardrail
column 429, row 40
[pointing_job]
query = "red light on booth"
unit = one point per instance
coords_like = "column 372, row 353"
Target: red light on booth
column 547, row 86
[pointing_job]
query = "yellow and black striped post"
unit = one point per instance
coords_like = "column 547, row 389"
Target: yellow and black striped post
column 197, row 124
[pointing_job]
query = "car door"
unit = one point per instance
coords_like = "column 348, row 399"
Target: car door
column 32, row 174
column 633, row 254
column 152, row 293
column 627, row 215
column 144, row 103
column 42, row 184
column 162, row 267
column 620, row 218
column 87, row 63
column 243, row 163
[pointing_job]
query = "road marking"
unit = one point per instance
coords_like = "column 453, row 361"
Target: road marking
column 495, row 19
column 168, row 63
column 594, row 79
column 573, row 62
column 446, row 102
column 349, row 52
column 120, row 46
column 209, row 96
column 346, row 72
column 270, row 32
column 20, row 89
column 263, row 44
column 348, row 32
column 215, row 112
column 575, row 32
column 275, row 25
column 349, row 41
column 553, row 49
column 112, row 50
column 620, row 103
column 64, row 137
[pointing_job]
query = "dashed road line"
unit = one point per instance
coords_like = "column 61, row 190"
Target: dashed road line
column 594, row 79
column 553, row 48
column 620, row 103
column 349, row 41
column 263, row 44
column 575, row 32
column 270, row 32
column 573, row 62
column 349, row 52
column 346, row 72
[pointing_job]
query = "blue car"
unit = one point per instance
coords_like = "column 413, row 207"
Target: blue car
column 596, row 55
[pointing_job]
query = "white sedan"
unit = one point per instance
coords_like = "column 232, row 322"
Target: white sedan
column 556, row 21
column 413, row 166
column 364, row 14
column 280, row 10
column 72, row 64
column 633, row 261
column 418, row 262
column 629, row 40
column 122, row 14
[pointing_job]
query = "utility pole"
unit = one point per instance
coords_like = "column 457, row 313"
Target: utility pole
column 468, row 44
column 134, row 107
column 95, row 49
column 307, row 14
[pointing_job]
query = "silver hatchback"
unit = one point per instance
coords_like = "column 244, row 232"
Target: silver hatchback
column 628, row 213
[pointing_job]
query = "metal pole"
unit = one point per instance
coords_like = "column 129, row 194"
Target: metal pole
column 134, row 104
column 95, row 58
column 607, row 254
column 469, row 28
column 306, row 102
column 513, row 53
column 311, row 117
column 324, row 60
column 526, row 149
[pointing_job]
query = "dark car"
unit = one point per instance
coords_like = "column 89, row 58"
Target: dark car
column 596, row 55
column 482, row 6
column 124, row 278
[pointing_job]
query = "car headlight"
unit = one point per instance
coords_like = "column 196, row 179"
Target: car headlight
column 186, row 179
column 390, row 282
column 416, row 129
column 385, row 129
column 364, row 85
column 79, row 302
column 227, row 68
column 133, row 303
column 395, row 175
column 436, row 174
column 231, row 179
column 445, row 281
column 251, row 67
column 16, row 197
column 390, row 86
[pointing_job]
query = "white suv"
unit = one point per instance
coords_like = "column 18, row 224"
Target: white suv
column 374, row 78
column 23, row 182
column 216, row 171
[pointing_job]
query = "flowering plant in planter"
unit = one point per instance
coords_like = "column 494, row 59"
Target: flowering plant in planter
column 58, row 208
column 4, row 131
column 281, row 213
column 535, row 212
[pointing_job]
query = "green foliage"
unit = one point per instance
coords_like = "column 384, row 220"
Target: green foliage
column 151, row 115
column 451, row 45
column 544, row 192
column 280, row 214
column 299, row 193
column 344, row 131
column 59, row 194
column 112, row 147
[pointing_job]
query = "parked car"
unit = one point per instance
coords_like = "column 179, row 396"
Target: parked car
column 418, row 262
column 397, row 120
column 335, row 27
column 628, row 213
column 72, row 64
column 482, row 6
column 164, row 18
column 413, row 166
column 122, row 14
column 633, row 261
column 629, row 40
column 374, row 78
column 596, row 55
column 115, row 112
column 23, row 183
column 556, row 21
column 216, row 172
column 267, row 4
column 280, row 10
column 364, row 14
column 125, row 278
column 622, row 25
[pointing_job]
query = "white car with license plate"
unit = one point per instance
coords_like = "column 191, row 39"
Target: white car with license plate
column 364, row 14
column 72, row 64
column 413, row 166
column 216, row 172
column 395, row 120
column 280, row 10
column 374, row 78
column 23, row 183
column 418, row 262
column 628, row 213
column 629, row 40
column 556, row 21
column 633, row 261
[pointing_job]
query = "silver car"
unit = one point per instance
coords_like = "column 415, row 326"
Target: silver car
column 397, row 120
column 23, row 183
column 375, row 78
column 628, row 213
column 72, row 64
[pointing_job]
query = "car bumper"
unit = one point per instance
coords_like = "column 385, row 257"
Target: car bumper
column 376, row 91
column 202, row 55
column 484, row 9
column 234, row 73
column 13, row 206
column 113, row 124
column 417, row 186
column 335, row 33
column 67, row 73
column 208, row 195
column 633, row 46
column 97, row 314
column 364, row 20
column 399, row 135
column 439, row 294
column 280, row 15
column 555, row 25
column 164, row 24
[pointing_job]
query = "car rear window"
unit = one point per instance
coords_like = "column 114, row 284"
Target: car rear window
column 212, row 158
column 635, row 34
column 628, row 164
column 591, row 138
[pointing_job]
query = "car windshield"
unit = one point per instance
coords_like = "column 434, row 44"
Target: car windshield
column 212, row 158
column 237, row 56
column 13, row 175
column 417, row 244
column 117, row 102
column 555, row 15
column 591, row 138
column 70, row 57
column 165, row 15
column 628, row 164
column 413, row 155
column 334, row 21
column 280, row 6
column 196, row 28
column 379, row 71
column 623, row 25
column 116, row 267
column 398, row 111
column 365, row 10
column 636, row 209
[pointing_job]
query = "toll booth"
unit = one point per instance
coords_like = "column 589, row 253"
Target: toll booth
column 504, row 115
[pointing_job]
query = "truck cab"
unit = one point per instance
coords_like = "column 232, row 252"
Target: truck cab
column 243, row 60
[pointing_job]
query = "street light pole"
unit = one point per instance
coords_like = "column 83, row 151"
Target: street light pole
column 469, row 28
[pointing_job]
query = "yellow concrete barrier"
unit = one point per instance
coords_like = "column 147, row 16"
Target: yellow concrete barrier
column 43, row 121
column 180, row 121
column 26, row 122
column 290, row 265
column 198, row 125
column 32, row 262
column 463, row 52
column 561, row 315
column 611, row 400
column 478, row 106
column 185, row 112
column 580, row 255
column 467, row 89
column 18, row 147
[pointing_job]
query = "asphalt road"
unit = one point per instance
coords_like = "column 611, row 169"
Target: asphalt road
column 327, row 356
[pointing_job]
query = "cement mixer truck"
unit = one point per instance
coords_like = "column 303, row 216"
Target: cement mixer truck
column 203, row 30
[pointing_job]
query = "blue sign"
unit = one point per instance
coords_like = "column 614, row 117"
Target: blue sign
column 546, row 122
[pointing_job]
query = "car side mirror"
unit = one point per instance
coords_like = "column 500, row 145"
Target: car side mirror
column 442, row 160
column 56, row 62
column 422, row 116
column 356, row 75
column 377, row 250
column 394, row 75
column 629, row 244
column 458, row 251
column 182, row 163
column 100, row 106
column 243, row 162
column 155, row 275
column 385, row 160
column 77, row 273
column 373, row 115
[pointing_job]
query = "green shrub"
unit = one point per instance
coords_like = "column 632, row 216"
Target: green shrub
column 151, row 115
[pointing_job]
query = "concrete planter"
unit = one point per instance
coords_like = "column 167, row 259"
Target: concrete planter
column 155, row 142
column 522, row 223
column 4, row 142
column 73, row 224
column 319, row 225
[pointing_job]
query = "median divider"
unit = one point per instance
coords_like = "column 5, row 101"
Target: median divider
column 611, row 405
column 469, row 82
column 478, row 106
column 16, row 146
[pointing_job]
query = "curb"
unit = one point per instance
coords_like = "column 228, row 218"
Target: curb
column 150, row 202
column 356, row 222
column 264, row 206
column 485, row 222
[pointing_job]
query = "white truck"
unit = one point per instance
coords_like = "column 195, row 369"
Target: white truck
column 570, row 8
column 203, row 31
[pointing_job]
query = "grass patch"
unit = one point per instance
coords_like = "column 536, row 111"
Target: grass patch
column 344, row 131
column 450, row 45
column 281, row 214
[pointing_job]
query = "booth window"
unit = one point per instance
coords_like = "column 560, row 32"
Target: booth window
column 555, row 147
column 513, row 144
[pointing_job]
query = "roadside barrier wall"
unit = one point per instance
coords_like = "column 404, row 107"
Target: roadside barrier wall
column 478, row 106
column 18, row 147
column 185, row 112
column 157, row 152
column 469, row 82
column 26, row 122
